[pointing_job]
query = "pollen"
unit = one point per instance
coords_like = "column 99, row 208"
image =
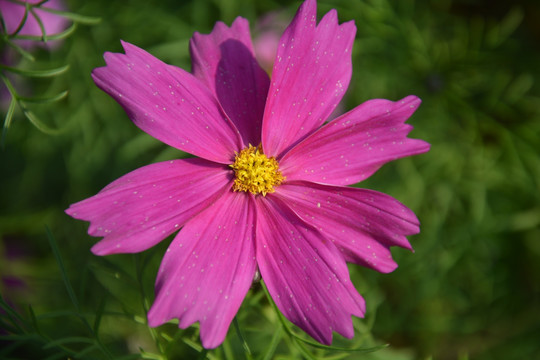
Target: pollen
column 255, row 172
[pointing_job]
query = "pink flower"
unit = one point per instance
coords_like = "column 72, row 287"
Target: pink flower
column 268, row 189
column 13, row 15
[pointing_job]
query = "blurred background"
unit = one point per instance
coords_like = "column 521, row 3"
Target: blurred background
column 470, row 290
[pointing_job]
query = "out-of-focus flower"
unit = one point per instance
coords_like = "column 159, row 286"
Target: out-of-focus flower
column 268, row 190
column 15, row 13
column 268, row 32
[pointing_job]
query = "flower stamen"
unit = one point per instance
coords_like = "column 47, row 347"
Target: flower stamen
column 255, row 172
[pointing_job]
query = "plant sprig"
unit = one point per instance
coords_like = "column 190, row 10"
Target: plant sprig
column 12, row 38
column 22, row 102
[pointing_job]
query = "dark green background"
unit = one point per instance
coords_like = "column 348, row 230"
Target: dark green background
column 469, row 291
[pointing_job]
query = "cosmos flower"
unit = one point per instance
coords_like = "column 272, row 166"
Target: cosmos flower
column 14, row 14
column 267, row 190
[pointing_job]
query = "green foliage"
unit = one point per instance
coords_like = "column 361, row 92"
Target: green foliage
column 12, row 40
column 470, row 289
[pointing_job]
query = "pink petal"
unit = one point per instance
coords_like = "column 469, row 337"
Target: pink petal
column 311, row 73
column 352, row 147
column 145, row 206
column 169, row 103
column 224, row 60
column 208, row 269
column 363, row 224
column 304, row 272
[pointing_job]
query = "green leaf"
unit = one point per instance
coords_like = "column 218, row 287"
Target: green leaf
column 118, row 282
column 36, row 73
column 82, row 19
column 151, row 356
column 12, row 315
column 500, row 33
column 335, row 348
column 56, row 314
column 8, row 119
column 197, row 347
column 20, row 337
column 40, row 24
column 99, row 314
column 68, row 340
column 33, row 319
column 27, row 113
column 39, row 124
column 242, row 339
column 59, row 355
column 304, row 352
column 128, row 357
column 44, row 99
column 58, row 257
column 7, row 328
column 194, row 345
column 202, row 354
column 59, row 36
column 20, row 50
column 278, row 335
column 83, row 352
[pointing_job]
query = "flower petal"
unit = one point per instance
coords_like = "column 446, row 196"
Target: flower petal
column 305, row 273
column 352, row 147
column 169, row 103
column 208, row 269
column 49, row 22
column 224, row 60
column 145, row 206
column 311, row 73
column 362, row 223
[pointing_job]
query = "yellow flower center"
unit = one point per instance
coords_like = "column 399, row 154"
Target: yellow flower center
column 255, row 172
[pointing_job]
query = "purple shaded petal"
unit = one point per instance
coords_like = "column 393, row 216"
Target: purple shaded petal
column 352, row 147
column 363, row 224
column 145, row 206
column 169, row 103
column 208, row 269
column 311, row 73
column 224, row 60
column 13, row 14
column 305, row 273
